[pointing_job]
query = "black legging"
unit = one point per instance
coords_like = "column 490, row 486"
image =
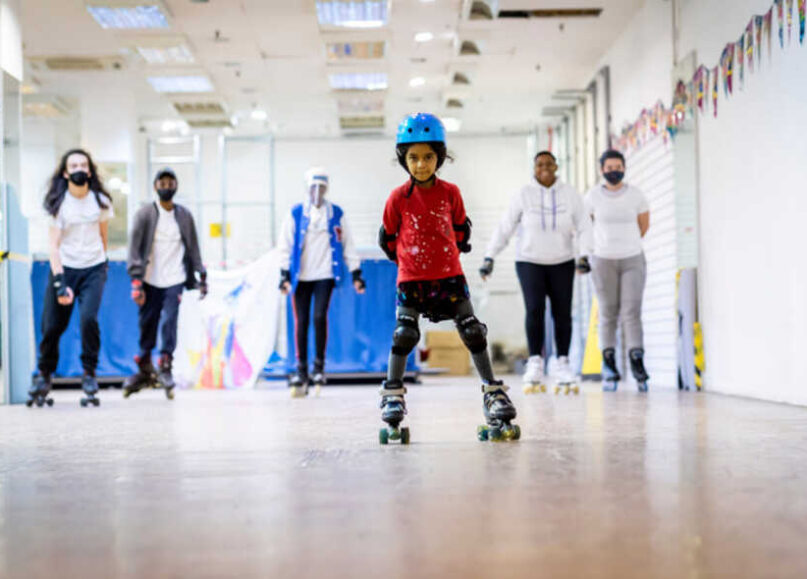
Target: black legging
column 320, row 290
column 538, row 282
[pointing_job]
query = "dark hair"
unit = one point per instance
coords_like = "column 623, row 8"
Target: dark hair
column 540, row 153
column 58, row 184
column 437, row 146
column 611, row 154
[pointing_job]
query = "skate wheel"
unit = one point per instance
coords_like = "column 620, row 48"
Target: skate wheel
column 96, row 402
column 528, row 389
column 557, row 390
column 543, row 388
column 83, row 402
column 495, row 434
column 383, row 436
column 29, row 403
column 516, row 432
column 40, row 403
column 317, row 391
column 482, row 433
column 169, row 393
column 126, row 393
column 49, row 401
column 642, row 386
column 405, row 435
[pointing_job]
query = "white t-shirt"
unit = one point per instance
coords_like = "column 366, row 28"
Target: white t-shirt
column 78, row 219
column 546, row 222
column 616, row 226
column 165, row 266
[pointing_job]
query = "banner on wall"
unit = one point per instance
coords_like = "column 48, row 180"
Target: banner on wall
column 224, row 341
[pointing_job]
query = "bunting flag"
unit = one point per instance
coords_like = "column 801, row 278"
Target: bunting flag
column 715, row 91
column 700, row 87
column 780, row 16
column 768, row 25
column 690, row 104
column 726, row 65
column 749, row 44
column 758, row 20
column 801, row 20
column 789, row 5
column 739, row 50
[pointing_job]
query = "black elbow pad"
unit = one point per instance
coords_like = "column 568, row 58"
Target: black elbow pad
column 463, row 235
column 387, row 243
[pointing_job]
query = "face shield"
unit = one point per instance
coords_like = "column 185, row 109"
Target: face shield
column 316, row 193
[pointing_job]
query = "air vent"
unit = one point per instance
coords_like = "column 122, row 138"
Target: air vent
column 203, row 108
column 77, row 64
column 454, row 104
column 469, row 48
column 361, row 122
column 482, row 10
column 460, row 78
column 564, row 13
column 209, row 123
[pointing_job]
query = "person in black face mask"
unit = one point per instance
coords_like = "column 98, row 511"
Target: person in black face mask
column 80, row 209
column 621, row 217
column 164, row 259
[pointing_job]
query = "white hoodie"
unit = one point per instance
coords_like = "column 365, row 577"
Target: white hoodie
column 547, row 220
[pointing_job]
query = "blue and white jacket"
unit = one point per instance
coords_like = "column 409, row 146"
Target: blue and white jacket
column 308, row 252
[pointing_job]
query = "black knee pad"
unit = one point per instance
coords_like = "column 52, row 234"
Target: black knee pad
column 406, row 335
column 473, row 334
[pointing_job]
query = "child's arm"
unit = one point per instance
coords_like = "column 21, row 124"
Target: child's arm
column 388, row 234
column 461, row 223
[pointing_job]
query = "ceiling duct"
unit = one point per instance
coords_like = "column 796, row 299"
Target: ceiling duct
column 77, row 64
column 460, row 78
column 483, row 10
column 209, row 123
column 361, row 122
column 564, row 13
column 199, row 108
column 469, row 48
column 454, row 104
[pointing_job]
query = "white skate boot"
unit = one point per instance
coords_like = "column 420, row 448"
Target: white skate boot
column 565, row 379
column 534, row 379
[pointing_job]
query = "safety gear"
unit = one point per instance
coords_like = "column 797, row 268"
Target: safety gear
column 614, row 177
column 463, row 235
column 316, row 194
column 387, row 243
column 138, row 294
column 79, row 178
column 473, row 334
column 316, row 181
column 203, row 285
column 583, row 266
column 62, row 290
column 406, row 335
column 421, row 128
column 165, row 172
column 487, row 267
column 358, row 278
column 166, row 194
column 285, row 277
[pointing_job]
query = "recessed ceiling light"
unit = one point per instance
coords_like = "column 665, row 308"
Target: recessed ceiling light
column 259, row 115
column 451, row 124
column 179, row 54
column 171, row 84
column 355, row 50
column 417, row 81
column 358, row 81
column 128, row 17
column 352, row 13
column 424, row 37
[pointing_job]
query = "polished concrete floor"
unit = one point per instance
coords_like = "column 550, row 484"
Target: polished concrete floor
column 255, row 484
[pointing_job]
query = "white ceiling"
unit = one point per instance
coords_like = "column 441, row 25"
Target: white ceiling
column 274, row 59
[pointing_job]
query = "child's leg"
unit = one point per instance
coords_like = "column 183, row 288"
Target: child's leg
column 473, row 334
column 301, row 306
column 322, row 298
column 404, row 339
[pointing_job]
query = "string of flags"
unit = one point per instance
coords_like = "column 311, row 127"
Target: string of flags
column 693, row 96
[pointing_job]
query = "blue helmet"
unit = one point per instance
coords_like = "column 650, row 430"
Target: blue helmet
column 421, row 128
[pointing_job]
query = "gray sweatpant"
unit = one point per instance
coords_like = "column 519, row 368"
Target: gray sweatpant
column 620, row 285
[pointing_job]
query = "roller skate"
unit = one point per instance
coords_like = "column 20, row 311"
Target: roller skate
column 393, row 410
column 318, row 379
column 164, row 377
column 637, row 368
column 38, row 393
column 298, row 384
column 565, row 379
column 610, row 374
column 90, row 386
column 533, row 378
column 499, row 412
column 146, row 376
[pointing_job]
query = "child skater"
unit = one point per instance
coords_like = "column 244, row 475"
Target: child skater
column 425, row 229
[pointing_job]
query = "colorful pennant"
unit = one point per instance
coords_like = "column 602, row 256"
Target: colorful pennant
column 749, row 44
column 758, row 20
column 789, row 5
column 768, row 25
column 739, row 50
column 801, row 20
column 715, row 92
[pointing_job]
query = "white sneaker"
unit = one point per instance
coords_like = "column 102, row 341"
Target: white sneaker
column 534, row 373
column 563, row 371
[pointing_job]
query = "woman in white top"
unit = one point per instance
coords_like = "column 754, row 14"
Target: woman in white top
column 548, row 219
column 621, row 219
column 315, row 248
column 80, row 209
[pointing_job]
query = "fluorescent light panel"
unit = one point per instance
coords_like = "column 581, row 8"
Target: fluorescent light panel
column 145, row 16
column 179, row 84
column 358, row 81
column 352, row 13
column 452, row 124
column 179, row 54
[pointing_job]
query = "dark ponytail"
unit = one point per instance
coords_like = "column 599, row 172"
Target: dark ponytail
column 58, row 185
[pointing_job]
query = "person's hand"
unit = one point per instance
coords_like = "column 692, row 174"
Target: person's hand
column 487, row 268
column 285, row 282
column 138, row 293
column 64, row 295
column 203, row 289
column 583, row 266
column 358, row 282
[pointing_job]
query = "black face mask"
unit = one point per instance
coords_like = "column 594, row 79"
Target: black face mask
column 79, row 178
column 614, row 177
column 166, row 194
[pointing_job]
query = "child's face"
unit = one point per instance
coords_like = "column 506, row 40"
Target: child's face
column 421, row 160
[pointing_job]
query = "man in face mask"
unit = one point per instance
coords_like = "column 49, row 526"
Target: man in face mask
column 164, row 260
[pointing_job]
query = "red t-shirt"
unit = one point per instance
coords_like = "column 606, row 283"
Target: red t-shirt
column 427, row 244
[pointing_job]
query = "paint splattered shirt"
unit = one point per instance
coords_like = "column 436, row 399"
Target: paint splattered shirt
column 426, row 245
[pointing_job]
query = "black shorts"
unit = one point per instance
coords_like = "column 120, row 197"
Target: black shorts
column 435, row 299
